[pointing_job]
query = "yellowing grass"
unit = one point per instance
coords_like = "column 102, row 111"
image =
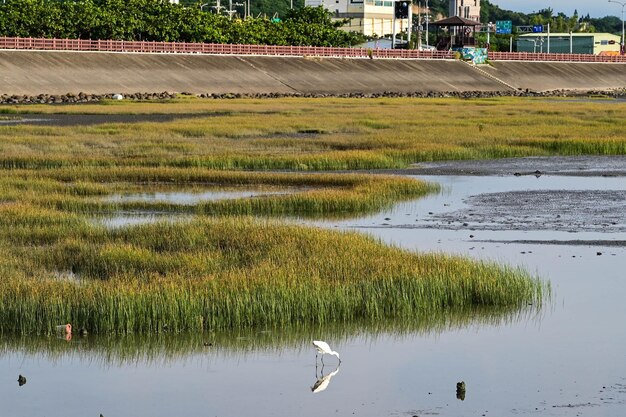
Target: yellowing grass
column 320, row 134
column 237, row 272
column 224, row 268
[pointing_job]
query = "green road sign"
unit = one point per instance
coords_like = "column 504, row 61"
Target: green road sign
column 504, row 27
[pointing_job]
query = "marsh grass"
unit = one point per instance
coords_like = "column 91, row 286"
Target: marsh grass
column 343, row 133
column 229, row 273
column 82, row 190
column 227, row 268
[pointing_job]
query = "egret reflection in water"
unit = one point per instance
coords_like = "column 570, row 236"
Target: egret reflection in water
column 323, row 380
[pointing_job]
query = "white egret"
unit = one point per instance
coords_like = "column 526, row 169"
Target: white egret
column 324, row 349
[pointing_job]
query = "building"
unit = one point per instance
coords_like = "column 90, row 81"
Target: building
column 369, row 17
column 580, row 43
column 467, row 9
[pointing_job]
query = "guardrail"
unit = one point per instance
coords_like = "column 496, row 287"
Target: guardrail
column 529, row 56
column 210, row 48
column 273, row 50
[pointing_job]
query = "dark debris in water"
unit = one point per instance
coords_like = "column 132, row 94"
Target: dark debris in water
column 581, row 405
column 605, row 166
column 460, row 390
column 604, row 243
column 420, row 413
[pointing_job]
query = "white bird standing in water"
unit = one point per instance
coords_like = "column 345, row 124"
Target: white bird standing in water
column 324, row 349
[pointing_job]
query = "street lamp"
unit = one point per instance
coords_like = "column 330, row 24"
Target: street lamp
column 622, row 49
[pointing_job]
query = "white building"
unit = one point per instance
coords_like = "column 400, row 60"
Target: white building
column 370, row 17
column 467, row 9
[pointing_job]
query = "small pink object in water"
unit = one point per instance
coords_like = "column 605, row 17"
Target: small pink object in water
column 64, row 328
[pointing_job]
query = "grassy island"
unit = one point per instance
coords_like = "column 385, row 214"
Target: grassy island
column 235, row 263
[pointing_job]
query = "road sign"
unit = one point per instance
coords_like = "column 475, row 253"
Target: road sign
column 504, row 27
column 538, row 29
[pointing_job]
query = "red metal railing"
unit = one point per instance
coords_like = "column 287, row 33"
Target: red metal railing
column 208, row 48
column 271, row 50
column 529, row 56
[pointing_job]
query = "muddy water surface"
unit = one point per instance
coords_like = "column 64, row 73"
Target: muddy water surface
column 91, row 119
column 569, row 359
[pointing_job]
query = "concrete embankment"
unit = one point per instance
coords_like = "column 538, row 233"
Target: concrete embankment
column 545, row 76
column 38, row 72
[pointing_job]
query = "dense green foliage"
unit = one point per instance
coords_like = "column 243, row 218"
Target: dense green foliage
column 195, row 21
column 158, row 20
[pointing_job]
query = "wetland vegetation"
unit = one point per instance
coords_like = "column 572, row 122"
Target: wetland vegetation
column 149, row 348
column 317, row 134
column 234, row 264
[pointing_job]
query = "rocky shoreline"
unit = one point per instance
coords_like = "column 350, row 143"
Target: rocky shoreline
column 70, row 98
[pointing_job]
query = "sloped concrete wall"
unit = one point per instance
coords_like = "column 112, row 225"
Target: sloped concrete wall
column 34, row 72
column 544, row 76
column 30, row 72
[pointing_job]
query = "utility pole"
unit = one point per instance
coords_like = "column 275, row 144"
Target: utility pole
column 230, row 10
column 571, row 43
column 217, row 7
column 427, row 22
column 548, row 37
column 393, row 36
column 409, row 28
column 419, row 29
column 622, row 45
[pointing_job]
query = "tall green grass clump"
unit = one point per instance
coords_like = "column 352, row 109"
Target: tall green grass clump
column 230, row 273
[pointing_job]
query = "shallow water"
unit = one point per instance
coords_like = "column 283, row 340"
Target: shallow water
column 70, row 119
column 569, row 360
column 188, row 198
column 182, row 198
column 132, row 218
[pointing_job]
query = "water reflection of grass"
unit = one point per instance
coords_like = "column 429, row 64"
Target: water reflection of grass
column 148, row 349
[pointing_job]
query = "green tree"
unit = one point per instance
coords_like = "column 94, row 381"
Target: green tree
column 159, row 20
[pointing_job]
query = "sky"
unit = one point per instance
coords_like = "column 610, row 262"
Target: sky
column 596, row 8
